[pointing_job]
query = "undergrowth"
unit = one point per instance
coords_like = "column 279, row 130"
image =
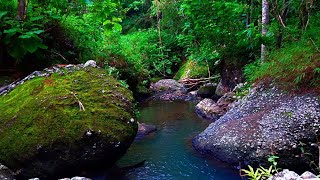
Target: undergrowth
column 296, row 67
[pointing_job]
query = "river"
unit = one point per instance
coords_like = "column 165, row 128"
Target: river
column 168, row 151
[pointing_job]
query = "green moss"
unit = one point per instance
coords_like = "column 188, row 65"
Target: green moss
column 46, row 110
column 192, row 69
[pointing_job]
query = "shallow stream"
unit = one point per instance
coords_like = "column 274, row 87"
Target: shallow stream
column 168, row 151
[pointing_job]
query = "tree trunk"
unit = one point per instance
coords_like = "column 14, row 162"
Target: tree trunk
column 22, row 10
column 265, row 20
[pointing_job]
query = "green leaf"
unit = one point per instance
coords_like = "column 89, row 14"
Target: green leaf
column 42, row 46
column 2, row 13
column 36, row 18
column 11, row 31
column 116, row 19
column 107, row 22
column 117, row 27
column 38, row 31
column 25, row 36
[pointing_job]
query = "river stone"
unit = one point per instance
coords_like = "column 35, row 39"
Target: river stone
column 169, row 90
column 167, row 84
column 220, row 89
column 308, row 175
column 285, row 175
column 59, row 124
column 266, row 121
column 211, row 110
column 90, row 63
column 145, row 129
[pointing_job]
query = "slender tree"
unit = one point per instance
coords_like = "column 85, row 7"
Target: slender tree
column 265, row 20
column 22, row 10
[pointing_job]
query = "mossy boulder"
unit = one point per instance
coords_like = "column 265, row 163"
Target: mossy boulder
column 192, row 69
column 207, row 90
column 44, row 132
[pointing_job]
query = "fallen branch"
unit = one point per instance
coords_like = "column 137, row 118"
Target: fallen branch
column 80, row 103
column 60, row 55
column 200, row 79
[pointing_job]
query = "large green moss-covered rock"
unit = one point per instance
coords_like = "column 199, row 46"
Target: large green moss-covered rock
column 192, row 69
column 44, row 132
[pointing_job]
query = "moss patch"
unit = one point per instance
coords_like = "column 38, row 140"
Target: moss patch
column 46, row 110
column 192, row 69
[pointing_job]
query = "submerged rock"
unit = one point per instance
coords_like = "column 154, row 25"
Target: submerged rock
column 53, row 124
column 145, row 129
column 266, row 121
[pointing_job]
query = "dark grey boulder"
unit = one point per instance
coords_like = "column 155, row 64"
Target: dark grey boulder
column 266, row 121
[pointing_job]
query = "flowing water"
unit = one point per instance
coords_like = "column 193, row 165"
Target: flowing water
column 168, row 151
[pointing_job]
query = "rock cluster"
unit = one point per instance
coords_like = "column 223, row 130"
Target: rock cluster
column 291, row 175
column 266, row 121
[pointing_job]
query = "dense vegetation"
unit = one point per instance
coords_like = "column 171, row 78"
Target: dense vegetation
column 137, row 41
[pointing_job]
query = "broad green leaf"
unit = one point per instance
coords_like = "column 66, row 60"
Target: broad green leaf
column 11, row 31
column 2, row 13
column 25, row 36
column 116, row 19
column 38, row 31
column 117, row 27
column 106, row 22
column 42, row 46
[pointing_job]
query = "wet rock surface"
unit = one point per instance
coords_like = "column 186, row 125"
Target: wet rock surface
column 61, row 120
column 291, row 175
column 145, row 129
column 170, row 90
column 6, row 173
column 212, row 110
column 266, row 121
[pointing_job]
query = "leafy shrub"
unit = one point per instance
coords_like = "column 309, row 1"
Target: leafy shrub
column 296, row 66
column 261, row 172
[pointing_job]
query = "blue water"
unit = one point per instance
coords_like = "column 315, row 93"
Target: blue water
column 168, row 152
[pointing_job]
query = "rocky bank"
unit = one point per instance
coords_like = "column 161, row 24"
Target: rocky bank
column 266, row 121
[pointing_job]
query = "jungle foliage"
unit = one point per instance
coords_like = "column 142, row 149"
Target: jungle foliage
column 137, row 40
